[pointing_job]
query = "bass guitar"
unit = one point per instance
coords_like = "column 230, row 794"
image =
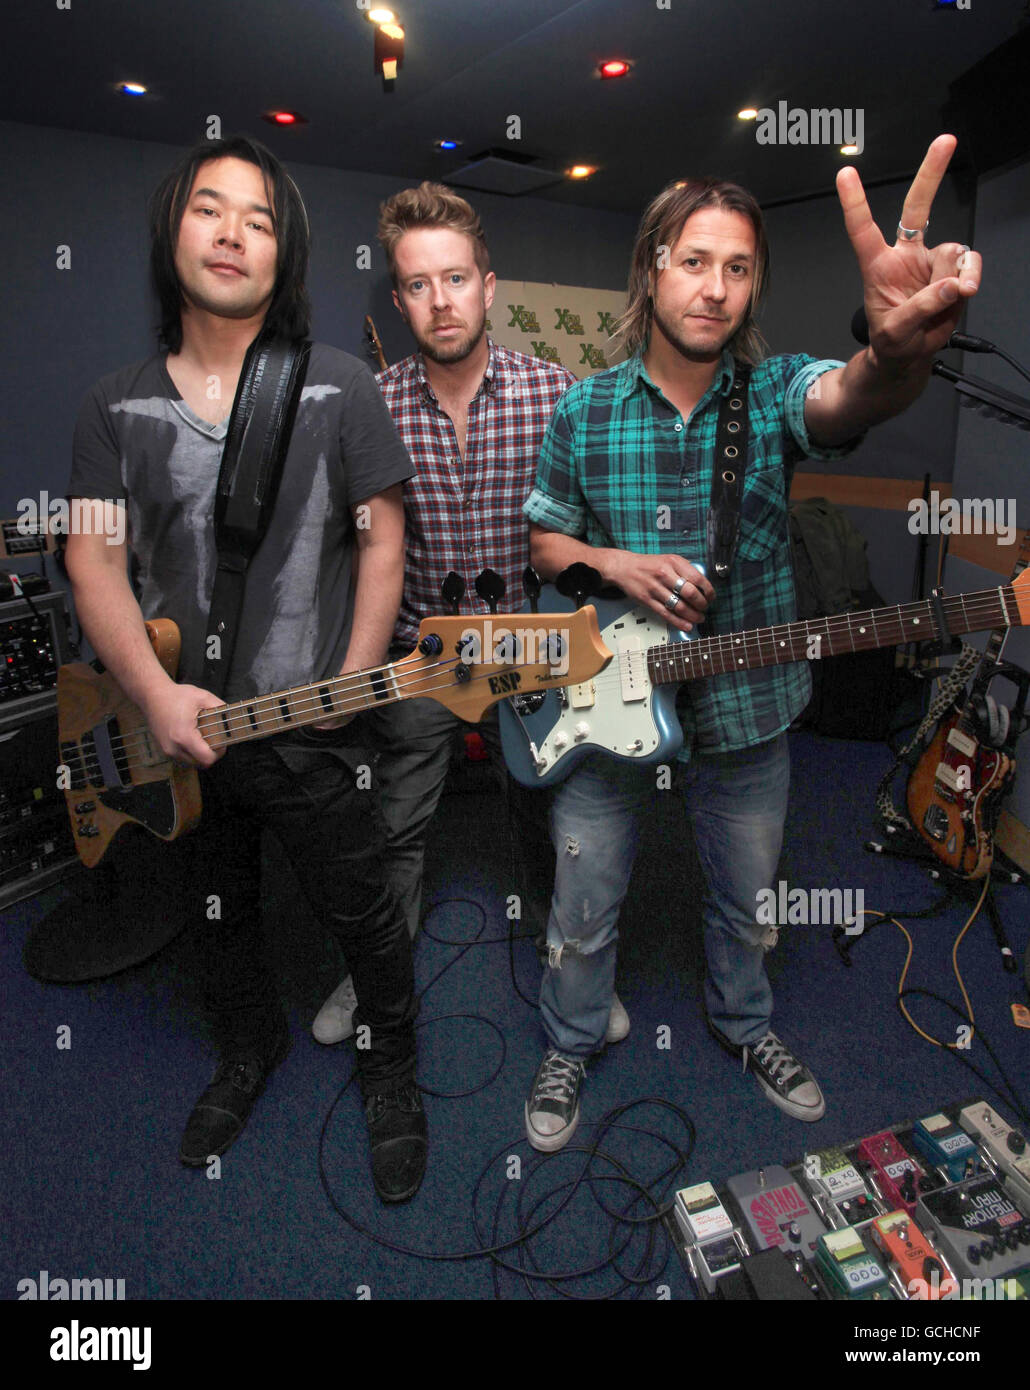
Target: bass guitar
column 629, row 710
column 113, row 772
column 955, row 790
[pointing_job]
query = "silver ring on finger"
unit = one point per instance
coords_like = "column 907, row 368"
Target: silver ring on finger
column 912, row 233
column 672, row 601
column 677, row 588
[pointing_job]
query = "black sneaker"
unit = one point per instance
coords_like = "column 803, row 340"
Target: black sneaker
column 783, row 1077
column 398, row 1141
column 552, row 1110
column 221, row 1113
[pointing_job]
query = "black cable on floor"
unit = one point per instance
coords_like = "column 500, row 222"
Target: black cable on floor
column 623, row 1226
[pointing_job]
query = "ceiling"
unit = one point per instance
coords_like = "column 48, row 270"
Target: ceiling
column 470, row 65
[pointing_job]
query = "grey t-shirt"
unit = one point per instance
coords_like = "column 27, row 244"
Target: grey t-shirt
column 137, row 442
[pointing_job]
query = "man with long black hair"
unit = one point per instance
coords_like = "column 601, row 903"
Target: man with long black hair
column 229, row 255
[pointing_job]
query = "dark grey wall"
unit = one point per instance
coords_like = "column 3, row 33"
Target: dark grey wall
column 816, row 287
column 62, row 329
column 993, row 459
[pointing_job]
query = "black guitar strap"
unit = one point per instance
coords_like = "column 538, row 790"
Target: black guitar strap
column 728, row 476
column 258, row 438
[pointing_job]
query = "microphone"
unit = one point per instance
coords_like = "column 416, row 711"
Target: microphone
column 964, row 342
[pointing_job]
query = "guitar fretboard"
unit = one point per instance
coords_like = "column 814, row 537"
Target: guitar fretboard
column 300, row 705
column 831, row 636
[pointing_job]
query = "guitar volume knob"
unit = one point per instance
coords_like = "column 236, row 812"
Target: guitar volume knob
column 581, row 729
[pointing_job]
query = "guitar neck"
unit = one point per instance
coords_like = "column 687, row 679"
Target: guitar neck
column 831, row 636
column 301, row 704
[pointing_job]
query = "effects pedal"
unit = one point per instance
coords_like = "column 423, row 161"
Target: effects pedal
column 1005, row 1147
column 838, row 1189
column 850, row 1267
column 776, row 1210
column 917, row 1269
column 714, row 1246
column 947, row 1146
column 772, row 1276
column 896, row 1174
column 978, row 1227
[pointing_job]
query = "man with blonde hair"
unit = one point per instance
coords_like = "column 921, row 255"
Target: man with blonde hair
column 472, row 414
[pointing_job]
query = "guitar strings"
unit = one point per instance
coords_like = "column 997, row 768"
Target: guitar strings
column 139, row 739
column 683, row 653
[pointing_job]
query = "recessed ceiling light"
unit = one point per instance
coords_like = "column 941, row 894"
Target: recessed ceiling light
column 285, row 118
column 849, row 149
column 381, row 16
column 614, row 67
column 582, row 171
column 749, row 113
column 132, row 89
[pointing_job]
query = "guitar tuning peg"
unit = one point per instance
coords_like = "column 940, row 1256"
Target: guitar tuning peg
column 531, row 588
column 579, row 582
column 453, row 590
column 490, row 587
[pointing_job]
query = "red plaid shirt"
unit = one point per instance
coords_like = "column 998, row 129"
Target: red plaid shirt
column 466, row 515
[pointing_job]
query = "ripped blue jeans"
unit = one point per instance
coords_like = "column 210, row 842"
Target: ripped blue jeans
column 737, row 804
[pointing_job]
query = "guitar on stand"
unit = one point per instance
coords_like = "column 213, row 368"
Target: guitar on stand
column 373, row 346
column 955, row 791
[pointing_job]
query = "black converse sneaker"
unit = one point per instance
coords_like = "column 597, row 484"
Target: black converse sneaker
column 783, row 1077
column 552, row 1110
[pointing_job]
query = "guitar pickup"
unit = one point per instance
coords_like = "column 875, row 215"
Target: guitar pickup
column 582, row 696
column 950, row 777
column 965, row 745
column 633, row 672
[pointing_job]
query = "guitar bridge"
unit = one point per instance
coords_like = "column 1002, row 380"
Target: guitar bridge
column 935, row 822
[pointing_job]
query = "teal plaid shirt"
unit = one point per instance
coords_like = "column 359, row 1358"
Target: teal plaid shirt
column 620, row 467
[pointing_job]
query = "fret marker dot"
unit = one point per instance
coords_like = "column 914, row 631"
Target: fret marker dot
column 740, row 661
column 915, row 622
column 861, row 629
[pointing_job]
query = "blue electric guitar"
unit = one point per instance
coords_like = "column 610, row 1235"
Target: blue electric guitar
column 629, row 708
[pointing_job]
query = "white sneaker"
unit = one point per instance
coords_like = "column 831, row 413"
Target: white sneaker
column 335, row 1019
column 618, row 1021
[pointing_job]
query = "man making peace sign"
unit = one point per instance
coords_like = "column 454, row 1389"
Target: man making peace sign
column 695, row 402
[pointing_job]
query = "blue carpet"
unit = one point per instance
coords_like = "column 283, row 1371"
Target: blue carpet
column 90, row 1133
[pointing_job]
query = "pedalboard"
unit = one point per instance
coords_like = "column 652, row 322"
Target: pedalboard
column 935, row 1208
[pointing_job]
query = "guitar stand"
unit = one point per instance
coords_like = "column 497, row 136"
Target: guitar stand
column 955, row 888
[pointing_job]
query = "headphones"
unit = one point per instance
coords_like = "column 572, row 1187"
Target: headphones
column 992, row 718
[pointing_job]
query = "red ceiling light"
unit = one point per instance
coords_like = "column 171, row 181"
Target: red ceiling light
column 285, row 118
column 614, row 67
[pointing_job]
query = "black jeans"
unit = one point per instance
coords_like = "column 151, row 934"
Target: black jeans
column 308, row 789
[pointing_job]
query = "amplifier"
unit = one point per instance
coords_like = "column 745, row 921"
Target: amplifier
column 33, row 644
column 36, row 847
